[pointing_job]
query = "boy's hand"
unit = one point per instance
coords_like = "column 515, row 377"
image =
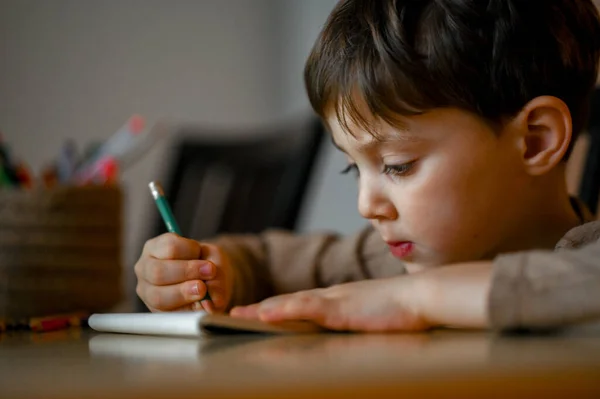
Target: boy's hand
column 174, row 274
column 372, row 305
column 446, row 296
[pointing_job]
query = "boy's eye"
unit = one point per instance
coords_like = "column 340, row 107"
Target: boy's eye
column 398, row 170
column 351, row 168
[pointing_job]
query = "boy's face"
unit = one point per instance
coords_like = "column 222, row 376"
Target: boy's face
column 444, row 189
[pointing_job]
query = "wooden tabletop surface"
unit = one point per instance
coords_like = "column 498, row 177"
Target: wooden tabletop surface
column 83, row 364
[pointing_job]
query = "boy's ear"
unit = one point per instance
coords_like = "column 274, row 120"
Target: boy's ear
column 544, row 132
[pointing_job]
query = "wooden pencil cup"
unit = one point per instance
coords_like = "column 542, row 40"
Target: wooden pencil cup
column 60, row 250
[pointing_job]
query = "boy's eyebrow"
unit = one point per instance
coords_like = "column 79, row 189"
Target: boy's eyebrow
column 364, row 147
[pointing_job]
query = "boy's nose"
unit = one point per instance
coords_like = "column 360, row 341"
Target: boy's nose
column 373, row 203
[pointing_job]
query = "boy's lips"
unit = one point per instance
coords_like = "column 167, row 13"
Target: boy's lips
column 401, row 249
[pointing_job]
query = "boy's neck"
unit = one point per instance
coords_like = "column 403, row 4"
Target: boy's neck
column 546, row 217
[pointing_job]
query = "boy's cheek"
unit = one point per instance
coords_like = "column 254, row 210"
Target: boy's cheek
column 447, row 236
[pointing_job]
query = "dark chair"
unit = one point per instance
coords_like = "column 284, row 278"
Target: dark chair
column 589, row 188
column 222, row 182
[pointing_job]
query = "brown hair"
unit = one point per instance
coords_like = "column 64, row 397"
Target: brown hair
column 490, row 57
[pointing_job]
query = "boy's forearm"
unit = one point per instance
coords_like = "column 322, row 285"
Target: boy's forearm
column 457, row 295
column 250, row 279
column 280, row 262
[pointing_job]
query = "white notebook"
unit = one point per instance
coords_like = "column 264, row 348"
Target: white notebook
column 190, row 324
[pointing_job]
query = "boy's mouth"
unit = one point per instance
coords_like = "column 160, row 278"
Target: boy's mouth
column 401, row 249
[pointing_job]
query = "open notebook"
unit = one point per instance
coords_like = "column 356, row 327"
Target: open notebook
column 190, row 324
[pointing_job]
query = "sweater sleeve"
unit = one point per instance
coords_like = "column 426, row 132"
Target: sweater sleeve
column 545, row 289
column 278, row 262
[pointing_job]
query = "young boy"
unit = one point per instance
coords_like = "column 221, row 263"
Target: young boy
column 458, row 117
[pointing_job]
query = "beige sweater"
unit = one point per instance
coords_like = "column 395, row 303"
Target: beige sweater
column 533, row 289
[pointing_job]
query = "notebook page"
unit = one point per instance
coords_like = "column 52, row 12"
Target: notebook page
column 168, row 323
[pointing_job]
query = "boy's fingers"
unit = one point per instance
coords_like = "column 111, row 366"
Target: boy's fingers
column 207, row 306
column 172, row 246
column 217, row 298
column 246, row 312
column 217, row 288
column 211, row 252
column 221, row 284
column 171, row 297
column 195, row 306
column 292, row 306
column 168, row 272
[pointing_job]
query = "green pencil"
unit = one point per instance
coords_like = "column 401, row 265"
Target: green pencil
column 167, row 215
column 164, row 208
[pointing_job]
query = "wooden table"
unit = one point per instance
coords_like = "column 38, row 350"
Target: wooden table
column 84, row 364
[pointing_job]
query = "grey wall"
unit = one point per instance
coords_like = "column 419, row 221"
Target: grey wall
column 332, row 200
column 78, row 68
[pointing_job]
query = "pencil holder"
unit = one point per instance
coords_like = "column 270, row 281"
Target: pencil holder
column 60, row 250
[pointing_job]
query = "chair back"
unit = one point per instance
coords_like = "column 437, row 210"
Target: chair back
column 222, row 185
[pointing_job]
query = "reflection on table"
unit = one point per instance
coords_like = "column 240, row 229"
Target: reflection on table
column 75, row 363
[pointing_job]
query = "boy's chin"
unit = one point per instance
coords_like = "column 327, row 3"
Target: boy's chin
column 420, row 262
column 417, row 263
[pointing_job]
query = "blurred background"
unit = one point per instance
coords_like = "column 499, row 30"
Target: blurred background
column 79, row 68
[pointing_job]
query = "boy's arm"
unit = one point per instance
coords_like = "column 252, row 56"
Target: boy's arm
column 279, row 262
column 529, row 290
column 536, row 289
column 545, row 289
